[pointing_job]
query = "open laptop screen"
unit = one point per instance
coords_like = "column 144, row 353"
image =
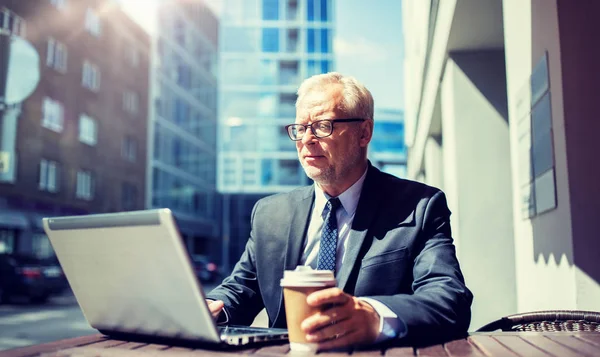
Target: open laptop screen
column 130, row 273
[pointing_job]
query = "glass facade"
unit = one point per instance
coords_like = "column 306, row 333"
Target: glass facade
column 387, row 150
column 184, row 122
column 267, row 48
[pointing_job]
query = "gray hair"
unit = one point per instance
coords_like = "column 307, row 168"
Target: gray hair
column 358, row 101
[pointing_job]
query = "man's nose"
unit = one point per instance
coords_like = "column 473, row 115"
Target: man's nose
column 308, row 137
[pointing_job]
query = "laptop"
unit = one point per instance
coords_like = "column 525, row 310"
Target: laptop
column 131, row 275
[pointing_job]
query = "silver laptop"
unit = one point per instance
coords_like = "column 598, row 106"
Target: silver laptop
column 131, row 275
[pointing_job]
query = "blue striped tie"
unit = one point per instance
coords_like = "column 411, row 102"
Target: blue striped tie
column 326, row 260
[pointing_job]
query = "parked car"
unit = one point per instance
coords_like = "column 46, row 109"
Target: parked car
column 205, row 270
column 30, row 277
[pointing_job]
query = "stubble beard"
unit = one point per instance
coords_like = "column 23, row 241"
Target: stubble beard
column 329, row 175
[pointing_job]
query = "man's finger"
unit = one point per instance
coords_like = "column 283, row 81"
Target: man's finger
column 327, row 296
column 330, row 331
column 343, row 341
column 215, row 307
column 325, row 318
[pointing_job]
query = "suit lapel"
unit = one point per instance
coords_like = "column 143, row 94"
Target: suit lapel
column 365, row 213
column 295, row 239
column 298, row 227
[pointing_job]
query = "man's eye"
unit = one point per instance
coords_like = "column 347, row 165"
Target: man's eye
column 323, row 126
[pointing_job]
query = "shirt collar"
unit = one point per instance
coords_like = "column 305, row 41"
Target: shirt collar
column 348, row 198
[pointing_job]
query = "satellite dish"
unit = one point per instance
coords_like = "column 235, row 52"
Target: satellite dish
column 22, row 70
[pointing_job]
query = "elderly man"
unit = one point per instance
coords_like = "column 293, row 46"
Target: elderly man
column 395, row 265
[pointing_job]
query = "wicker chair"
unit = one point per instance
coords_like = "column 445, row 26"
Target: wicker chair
column 547, row 321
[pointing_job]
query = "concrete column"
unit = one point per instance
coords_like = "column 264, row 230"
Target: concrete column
column 433, row 163
column 477, row 176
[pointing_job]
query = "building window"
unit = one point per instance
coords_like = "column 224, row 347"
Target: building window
column 59, row 4
column 325, row 66
column 92, row 22
column 184, row 75
column 130, row 102
column 324, row 40
column 292, row 10
column 128, row 196
column 324, row 12
column 310, row 40
column 270, row 9
column 289, row 172
column 85, row 185
column 53, row 115
column 90, row 78
column 56, row 55
column 181, row 114
column 288, row 73
column 88, row 130
column 11, row 22
column 291, row 44
column 310, row 10
column 48, row 176
column 180, row 32
column 270, row 40
column 129, row 148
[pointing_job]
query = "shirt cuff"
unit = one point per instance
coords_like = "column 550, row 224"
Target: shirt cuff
column 223, row 317
column 390, row 325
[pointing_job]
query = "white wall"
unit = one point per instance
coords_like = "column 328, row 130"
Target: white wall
column 543, row 282
column 478, row 182
column 418, row 112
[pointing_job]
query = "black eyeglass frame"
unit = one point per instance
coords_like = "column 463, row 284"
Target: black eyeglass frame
column 332, row 121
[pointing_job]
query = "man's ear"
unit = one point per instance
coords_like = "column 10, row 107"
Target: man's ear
column 366, row 132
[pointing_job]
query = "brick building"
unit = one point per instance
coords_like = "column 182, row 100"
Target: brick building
column 80, row 138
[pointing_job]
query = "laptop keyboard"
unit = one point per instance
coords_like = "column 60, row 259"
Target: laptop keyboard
column 244, row 330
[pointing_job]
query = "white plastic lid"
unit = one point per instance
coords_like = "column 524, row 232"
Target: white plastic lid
column 306, row 276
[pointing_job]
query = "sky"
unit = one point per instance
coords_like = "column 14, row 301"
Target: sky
column 368, row 43
column 369, row 46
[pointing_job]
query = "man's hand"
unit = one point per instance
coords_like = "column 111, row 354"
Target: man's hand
column 215, row 307
column 344, row 320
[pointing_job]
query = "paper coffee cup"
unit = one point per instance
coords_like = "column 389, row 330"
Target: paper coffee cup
column 297, row 285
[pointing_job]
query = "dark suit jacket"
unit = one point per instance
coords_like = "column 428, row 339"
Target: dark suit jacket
column 400, row 252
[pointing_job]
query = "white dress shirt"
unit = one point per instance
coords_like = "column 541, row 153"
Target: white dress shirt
column 389, row 324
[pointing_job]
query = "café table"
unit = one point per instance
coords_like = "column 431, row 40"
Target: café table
column 561, row 344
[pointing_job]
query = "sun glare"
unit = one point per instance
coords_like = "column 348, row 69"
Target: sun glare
column 142, row 11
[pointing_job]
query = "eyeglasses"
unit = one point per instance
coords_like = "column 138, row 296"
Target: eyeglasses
column 319, row 128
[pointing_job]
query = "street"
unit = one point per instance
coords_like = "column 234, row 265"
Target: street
column 23, row 324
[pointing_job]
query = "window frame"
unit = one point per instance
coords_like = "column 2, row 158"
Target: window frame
column 88, row 130
column 84, row 185
column 48, row 179
column 92, row 22
column 56, row 55
column 91, row 76
column 53, row 114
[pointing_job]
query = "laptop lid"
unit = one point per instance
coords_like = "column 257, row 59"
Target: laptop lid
column 131, row 274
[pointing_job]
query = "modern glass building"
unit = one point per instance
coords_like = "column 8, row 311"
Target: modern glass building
column 182, row 169
column 267, row 47
column 387, row 150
